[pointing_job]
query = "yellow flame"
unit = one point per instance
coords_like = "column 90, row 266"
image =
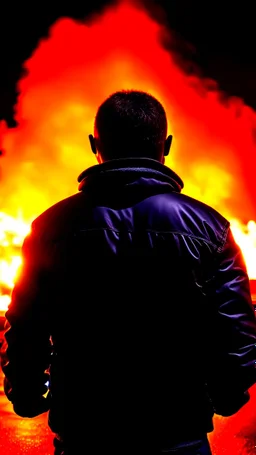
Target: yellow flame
column 245, row 236
column 12, row 233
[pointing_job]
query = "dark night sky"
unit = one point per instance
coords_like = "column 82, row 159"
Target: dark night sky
column 220, row 39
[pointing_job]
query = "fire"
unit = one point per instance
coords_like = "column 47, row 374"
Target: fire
column 245, row 236
column 12, row 233
column 68, row 75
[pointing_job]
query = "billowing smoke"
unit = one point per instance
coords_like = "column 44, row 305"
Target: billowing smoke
column 75, row 68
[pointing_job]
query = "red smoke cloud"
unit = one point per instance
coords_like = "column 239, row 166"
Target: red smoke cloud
column 75, row 69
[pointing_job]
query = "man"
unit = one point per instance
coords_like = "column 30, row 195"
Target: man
column 133, row 301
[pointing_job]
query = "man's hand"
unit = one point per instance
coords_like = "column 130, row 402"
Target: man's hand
column 24, row 405
column 32, row 408
column 230, row 405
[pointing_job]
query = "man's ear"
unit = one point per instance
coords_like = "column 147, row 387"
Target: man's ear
column 92, row 143
column 167, row 145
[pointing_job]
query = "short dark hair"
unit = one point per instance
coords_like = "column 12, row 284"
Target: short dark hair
column 131, row 123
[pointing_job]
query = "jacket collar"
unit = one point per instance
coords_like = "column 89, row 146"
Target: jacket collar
column 129, row 170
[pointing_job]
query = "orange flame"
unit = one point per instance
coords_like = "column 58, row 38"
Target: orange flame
column 69, row 75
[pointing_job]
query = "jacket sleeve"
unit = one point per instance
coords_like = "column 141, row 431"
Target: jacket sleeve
column 232, row 357
column 26, row 354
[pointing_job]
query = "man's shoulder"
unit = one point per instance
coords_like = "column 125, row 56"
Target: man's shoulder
column 209, row 219
column 190, row 205
column 58, row 214
column 203, row 208
column 192, row 216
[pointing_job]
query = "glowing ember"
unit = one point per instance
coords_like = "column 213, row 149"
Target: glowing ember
column 68, row 75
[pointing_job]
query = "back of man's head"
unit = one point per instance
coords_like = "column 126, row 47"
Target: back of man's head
column 130, row 123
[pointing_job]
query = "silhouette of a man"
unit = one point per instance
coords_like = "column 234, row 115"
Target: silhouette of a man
column 133, row 301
